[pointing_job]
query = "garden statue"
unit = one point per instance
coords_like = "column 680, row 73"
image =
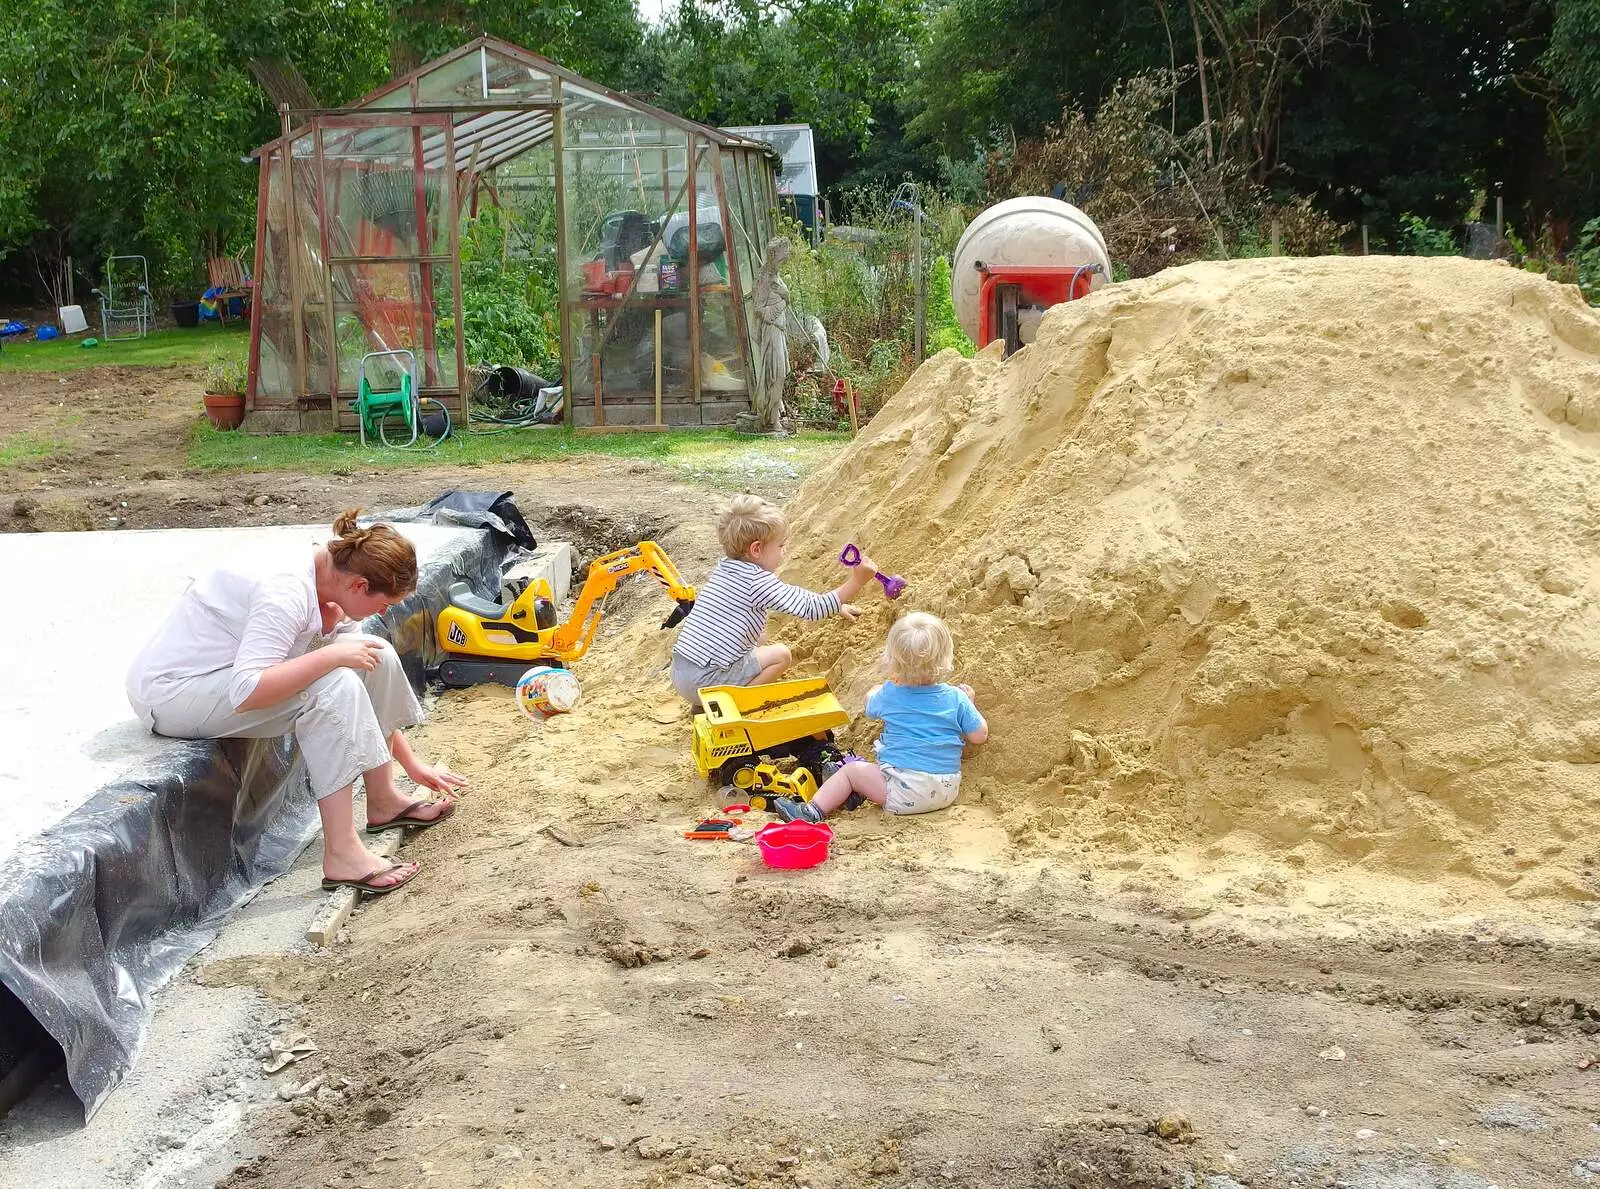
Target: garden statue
column 772, row 335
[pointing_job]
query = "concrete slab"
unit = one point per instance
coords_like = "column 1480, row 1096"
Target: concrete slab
column 67, row 731
column 552, row 561
column 177, row 1119
column 77, row 608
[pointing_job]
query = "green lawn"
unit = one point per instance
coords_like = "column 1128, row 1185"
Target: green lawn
column 23, row 447
column 717, row 458
column 711, row 456
column 159, row 348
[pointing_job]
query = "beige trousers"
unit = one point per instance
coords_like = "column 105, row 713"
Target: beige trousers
column 342, row 721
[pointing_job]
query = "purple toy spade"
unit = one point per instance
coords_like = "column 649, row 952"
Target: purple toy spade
column 893, row 585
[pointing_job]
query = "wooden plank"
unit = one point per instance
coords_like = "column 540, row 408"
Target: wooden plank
column 342, row 903
column 746, row 352
column 325, row 242
column 386, row 117
column 693, row 186
column 430, row 347
column 658, row 365
column 643, row 399
column 296, row 289
column 593, row 429
column 562, row 280
column 850, row 399
column 595, row 366
column 435, row 258
column 453, row 206
column 263, row 204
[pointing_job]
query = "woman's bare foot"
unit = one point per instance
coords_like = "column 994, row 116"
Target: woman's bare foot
column 384, row 879
column 361, row 863
column 385, row 801
column 413, row 813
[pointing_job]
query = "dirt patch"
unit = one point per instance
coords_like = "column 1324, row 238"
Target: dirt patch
column 593, row 531
column 564, row 500
column 935, row 1005
column 102, row 423
column 107, row 448
column 53, row 515
column 1111, row 1153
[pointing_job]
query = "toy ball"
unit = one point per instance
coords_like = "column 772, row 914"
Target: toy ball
column 545, row 690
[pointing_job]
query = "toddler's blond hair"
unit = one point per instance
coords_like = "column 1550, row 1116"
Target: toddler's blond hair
column 919, row 650
column 749, row 519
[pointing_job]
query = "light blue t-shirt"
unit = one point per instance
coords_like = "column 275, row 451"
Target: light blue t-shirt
column 923, row 725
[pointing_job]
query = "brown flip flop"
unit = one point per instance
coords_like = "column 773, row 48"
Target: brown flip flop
column 364, row 886
column 407, row 819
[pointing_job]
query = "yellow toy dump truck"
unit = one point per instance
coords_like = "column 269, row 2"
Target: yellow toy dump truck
column 769, row 741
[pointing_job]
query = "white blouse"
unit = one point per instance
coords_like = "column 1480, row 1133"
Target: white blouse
column 238, row 617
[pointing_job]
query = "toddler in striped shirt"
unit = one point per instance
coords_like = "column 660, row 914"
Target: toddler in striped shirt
column 723, row 640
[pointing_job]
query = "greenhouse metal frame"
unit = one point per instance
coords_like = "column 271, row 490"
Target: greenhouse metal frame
column 661, row 226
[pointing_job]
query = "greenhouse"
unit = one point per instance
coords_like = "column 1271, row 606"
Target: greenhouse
column 651, row 228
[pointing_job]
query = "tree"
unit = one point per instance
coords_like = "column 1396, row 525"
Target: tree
column 1013, row 65
column 1572, row 63
column 1057, row 53
column 1445, row 101
column 595, row 38
column 126, row 132
column 842, row 67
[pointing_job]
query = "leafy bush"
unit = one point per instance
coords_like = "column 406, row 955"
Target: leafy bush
column 1418, row 237
column 509, row 297
column 943, row 329
column 1163, row 197
column 226, row 375
column 859, row 283
column 1587, row 259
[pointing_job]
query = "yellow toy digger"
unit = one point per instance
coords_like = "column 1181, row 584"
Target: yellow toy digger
column 485, row 641
column 769, row 741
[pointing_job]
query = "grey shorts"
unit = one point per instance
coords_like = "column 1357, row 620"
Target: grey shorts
column 689, row 678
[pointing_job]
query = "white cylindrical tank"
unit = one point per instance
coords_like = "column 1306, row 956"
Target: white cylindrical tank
column 1030, row 231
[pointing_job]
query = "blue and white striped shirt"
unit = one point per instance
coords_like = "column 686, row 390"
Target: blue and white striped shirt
column 730, row 611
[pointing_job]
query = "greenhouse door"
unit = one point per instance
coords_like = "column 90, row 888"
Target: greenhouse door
column 389, row 240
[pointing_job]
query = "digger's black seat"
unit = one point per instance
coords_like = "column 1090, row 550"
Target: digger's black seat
column 461, row 595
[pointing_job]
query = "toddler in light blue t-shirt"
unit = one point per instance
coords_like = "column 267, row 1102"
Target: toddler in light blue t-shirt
column 926, row 723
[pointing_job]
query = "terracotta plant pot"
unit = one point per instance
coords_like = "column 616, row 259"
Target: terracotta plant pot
column 225, row 410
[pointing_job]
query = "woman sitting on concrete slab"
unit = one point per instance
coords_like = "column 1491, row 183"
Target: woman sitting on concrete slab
column 245, row 654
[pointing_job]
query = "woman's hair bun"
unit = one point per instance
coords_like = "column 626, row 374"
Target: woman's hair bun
column 344, row 525
column 378, row 553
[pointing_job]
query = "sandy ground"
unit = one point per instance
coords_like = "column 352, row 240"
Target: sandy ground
column 933, row 1006
column 942, row 1003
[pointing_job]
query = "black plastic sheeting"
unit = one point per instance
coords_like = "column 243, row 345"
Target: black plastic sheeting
column 106, row 905
column 493, row 510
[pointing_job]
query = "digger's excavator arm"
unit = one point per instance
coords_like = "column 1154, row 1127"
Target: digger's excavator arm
column 572, row 638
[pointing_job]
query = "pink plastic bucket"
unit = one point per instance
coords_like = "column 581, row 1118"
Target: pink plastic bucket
column 793, row 845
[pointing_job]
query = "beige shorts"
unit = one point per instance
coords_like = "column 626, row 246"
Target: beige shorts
column 919, row 792
column 342, row 720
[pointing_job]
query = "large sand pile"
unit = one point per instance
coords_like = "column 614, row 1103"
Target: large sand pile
column 1272, row 557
